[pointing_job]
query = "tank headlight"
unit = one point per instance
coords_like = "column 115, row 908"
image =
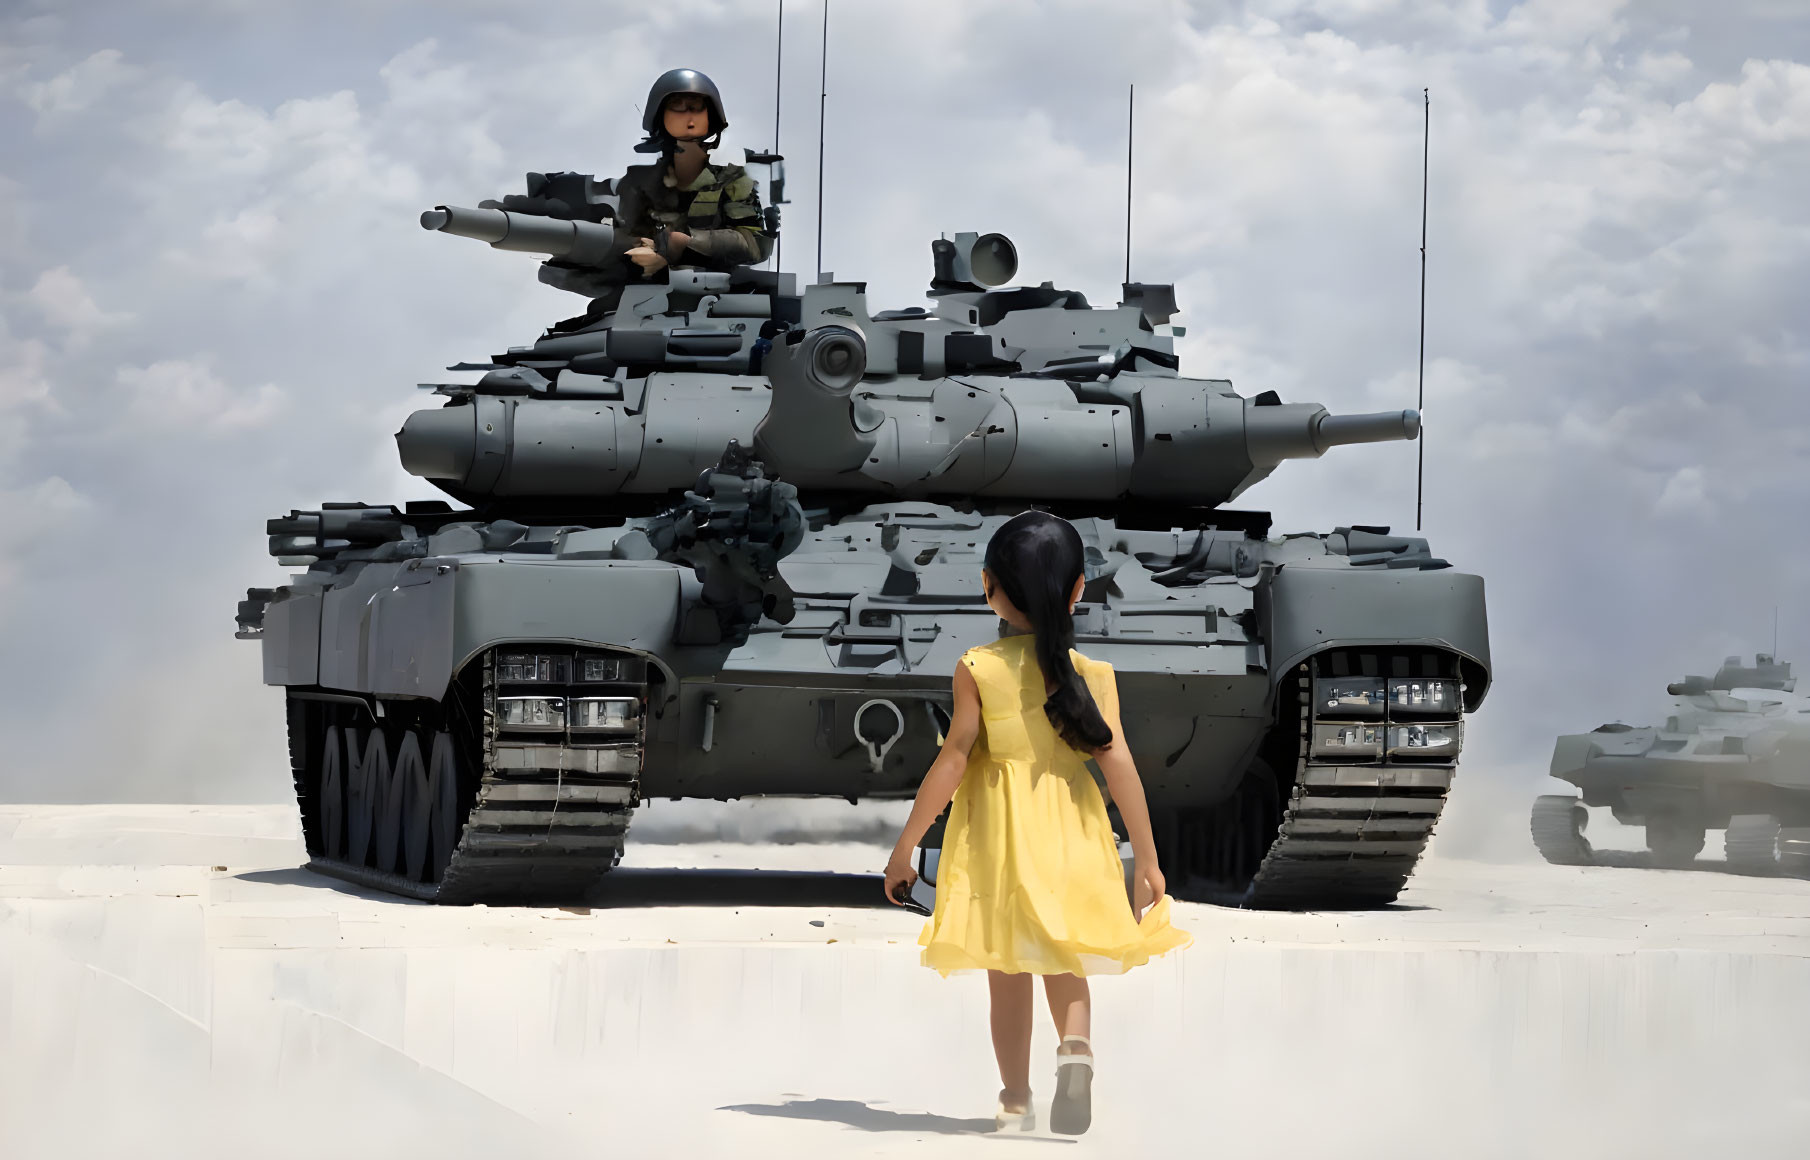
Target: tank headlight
column 532, row 712
column 1424, row 695
column 1349, row 696
column 1348, row 740
column 541, row 668
column 1425, row 740
column 617, row 713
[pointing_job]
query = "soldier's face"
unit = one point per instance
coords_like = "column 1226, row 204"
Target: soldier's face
column 687, row 117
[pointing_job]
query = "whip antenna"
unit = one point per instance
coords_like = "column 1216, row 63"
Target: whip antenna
column 1131, row 96
column 779, row 51
column 1426, row 132
column 823, row 93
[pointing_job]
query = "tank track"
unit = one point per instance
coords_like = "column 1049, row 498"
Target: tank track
column 523, row 843
column 1350, row 834
column 546, row 821
column 1557, row 834
column 1751, row 844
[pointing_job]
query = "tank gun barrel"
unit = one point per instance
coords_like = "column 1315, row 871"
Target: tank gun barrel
column 578, row 242
column 1379, row 427
column 1306, row 430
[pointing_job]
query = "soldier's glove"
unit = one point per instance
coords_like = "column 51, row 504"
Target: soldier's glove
column 771, row 216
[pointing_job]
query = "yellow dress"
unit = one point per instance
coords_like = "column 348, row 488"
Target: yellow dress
column 1030, row 879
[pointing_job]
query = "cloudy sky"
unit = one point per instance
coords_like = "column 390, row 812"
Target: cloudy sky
column 214, row 299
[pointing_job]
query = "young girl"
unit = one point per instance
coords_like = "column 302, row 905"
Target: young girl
column 1030, row 881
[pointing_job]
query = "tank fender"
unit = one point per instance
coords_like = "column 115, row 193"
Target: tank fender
column 291, row 638
column 625, row 604
column 1570, row 755
column 1305, row 610
column 411, row 630
column 390, row 631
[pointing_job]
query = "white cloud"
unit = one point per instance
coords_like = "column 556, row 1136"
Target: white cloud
column 28, row 516
column 66, row 303
column 23, row 382
column 80, row 87
column 1770, row 105
column 1684, row 495
column 184, row 393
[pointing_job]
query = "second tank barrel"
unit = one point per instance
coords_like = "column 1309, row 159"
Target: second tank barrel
column 580, row 242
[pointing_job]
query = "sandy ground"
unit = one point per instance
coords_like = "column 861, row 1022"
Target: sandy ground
column 174, row 986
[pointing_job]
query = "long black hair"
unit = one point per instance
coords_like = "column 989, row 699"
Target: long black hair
column 1037, row 557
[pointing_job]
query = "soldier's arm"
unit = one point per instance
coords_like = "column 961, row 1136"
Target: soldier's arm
column 745, row 240
column 633, row 219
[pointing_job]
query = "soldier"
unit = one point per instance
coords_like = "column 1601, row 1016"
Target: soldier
column 706, row 216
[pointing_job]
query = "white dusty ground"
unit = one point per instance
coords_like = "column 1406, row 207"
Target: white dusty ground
column 170, row 985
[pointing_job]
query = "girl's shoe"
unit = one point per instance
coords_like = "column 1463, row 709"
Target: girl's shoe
column 1073, row 1108
column 1009, row 1121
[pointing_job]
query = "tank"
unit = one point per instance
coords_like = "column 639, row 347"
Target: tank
column 721, row 535
column 1733, row 755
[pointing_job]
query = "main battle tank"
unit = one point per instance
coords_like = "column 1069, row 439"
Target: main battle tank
column 1734, row 755
column 724, row 537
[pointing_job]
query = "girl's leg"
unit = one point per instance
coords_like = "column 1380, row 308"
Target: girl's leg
column 1071, row 1006
column 1071, row 1111
column 1011, row 994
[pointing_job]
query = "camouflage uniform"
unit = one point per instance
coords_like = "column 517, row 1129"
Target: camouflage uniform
column 720, row 210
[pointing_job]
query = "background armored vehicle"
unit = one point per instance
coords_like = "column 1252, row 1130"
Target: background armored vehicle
column 1733, row 755
column 724, row 538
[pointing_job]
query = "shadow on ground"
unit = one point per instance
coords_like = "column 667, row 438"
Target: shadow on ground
column 638, row 886
column 1643, row 860
column 644, row 886
column 1193, row 889
column 868, row 1118
column 627, row 887
column 302, row 876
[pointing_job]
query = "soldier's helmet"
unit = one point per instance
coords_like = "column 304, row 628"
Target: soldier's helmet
column 671, row 83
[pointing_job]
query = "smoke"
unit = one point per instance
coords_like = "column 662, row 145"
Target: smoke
column 786, row 821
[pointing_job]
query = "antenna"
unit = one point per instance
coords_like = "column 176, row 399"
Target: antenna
column 1131, row 96
column 1426, row 132
column 779, row 50
column 1775, row 632
column 823, row 92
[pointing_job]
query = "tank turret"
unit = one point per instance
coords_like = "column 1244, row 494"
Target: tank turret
column 1014, row 393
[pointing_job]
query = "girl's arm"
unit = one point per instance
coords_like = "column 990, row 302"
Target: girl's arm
column 1127, row 791
column 940, row 783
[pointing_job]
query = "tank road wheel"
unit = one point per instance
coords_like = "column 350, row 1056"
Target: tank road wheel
column 332, row 796
column 1751, row 844
column 1674, row 844
column 408, row 802
column 384, row 806
column 443, row 819
column 1558, row 830
column 358, row 796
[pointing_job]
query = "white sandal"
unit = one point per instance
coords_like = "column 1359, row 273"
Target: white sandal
column 1009, row 1121
column 1072, row 1111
